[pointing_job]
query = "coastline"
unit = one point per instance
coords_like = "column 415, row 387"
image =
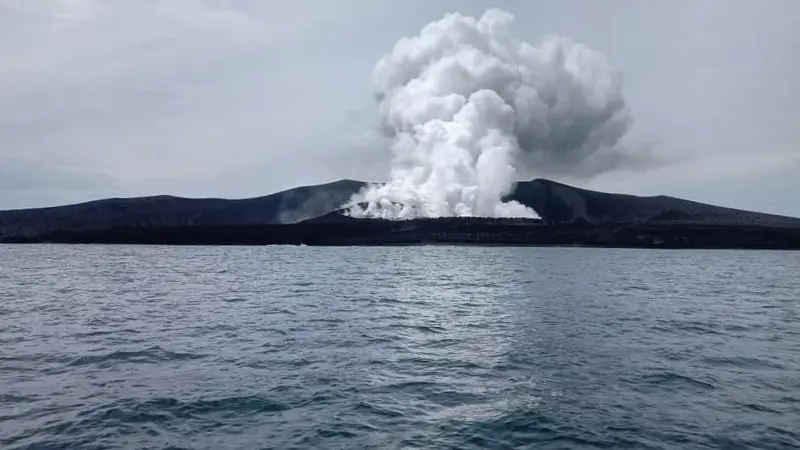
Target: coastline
column 446, row 231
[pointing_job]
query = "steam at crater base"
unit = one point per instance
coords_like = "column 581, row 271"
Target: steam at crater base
column 469, row 107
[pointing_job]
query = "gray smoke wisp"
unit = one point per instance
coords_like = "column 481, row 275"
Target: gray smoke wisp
column 469, row 107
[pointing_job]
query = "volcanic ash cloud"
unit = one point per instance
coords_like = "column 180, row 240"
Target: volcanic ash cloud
column 469, row 107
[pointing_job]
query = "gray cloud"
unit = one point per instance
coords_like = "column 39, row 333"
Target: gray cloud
column 34, row 184
column 18, row 174
column 244, row 97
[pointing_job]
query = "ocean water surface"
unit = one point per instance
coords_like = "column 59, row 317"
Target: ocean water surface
column 117, row 347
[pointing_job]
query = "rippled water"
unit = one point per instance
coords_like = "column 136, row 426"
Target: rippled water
column 416, row 347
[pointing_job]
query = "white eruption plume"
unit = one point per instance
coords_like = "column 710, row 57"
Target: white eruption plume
column 469, row 108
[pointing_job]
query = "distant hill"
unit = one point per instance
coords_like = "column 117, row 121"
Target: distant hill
column 560, row 203
column 283, row 207
column 555, row 203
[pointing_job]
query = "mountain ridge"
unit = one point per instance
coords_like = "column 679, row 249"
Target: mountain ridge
column 555, row 202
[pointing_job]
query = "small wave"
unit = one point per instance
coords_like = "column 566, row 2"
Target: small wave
column 742, row 362
column 736, row 328
column 667, row 378
column 442, row 343
column 96, row 333
column 15, row 398
column 277, row 311
column 277, row 331
column 761, row 408
column 317, row 436
column 371, row 339
column 574, row 441
column 681, row 326
column 383, row 410
column 789, row 400
column 160, row 410
column 456, row 285
column 299, row 363
column 12, row 340
column 159, row 413
column 412, row 385
column 386, row 301
column 213, row 328
column 637, row 287
column 429, row 329
column 326, row 320
column 237, row 405
column 32, row 357
column 150, row 355
column 793, row 436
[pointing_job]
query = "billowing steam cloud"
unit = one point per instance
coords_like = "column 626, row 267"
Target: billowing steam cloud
column 469, row 107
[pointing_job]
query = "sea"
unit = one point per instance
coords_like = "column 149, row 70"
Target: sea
column 427, row 347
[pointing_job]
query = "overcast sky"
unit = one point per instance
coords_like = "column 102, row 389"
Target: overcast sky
column 237, row 98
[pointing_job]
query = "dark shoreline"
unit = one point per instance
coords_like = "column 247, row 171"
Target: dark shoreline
column 450, row 231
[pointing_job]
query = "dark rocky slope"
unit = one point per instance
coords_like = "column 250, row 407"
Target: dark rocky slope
column 167, row 211
column 558, row 204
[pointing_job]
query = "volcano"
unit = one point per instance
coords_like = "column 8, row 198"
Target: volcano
column 316, row 215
